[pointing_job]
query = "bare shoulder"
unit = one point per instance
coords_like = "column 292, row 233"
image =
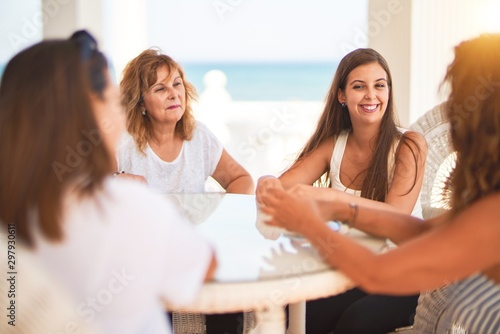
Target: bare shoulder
column 325, row 150
column 416, row 138
column 325, row 147
column 309, row 168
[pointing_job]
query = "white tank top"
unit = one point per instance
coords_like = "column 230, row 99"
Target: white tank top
column 338, row 153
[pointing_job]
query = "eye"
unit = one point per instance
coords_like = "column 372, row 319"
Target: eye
column 357, row 87
column 380, row 85
column 177, row 83
column 159, row 89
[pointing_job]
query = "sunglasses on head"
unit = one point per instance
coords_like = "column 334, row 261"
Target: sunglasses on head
column 86, row 42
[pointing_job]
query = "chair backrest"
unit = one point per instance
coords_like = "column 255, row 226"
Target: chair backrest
column 435, row 127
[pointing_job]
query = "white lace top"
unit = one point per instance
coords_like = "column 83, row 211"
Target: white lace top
column 337, row 155
column 187, row 173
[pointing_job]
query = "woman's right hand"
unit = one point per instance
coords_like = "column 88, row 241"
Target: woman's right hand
column 290, row 210
column 264, row 184
column 130, row 176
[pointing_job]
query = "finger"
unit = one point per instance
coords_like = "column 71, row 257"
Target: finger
column 277, row 193
column 267, row 210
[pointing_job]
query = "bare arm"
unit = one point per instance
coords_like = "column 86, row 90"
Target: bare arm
column 310, row 168
column 303, row 172
column 211, row 268
column 232, row 176
column 466, row 244
column 397, row 226
column 407, row 175
column 401, row 197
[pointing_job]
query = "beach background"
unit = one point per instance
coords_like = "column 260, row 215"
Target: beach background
column 263, row 68
column 262, row 112
column 285, row 81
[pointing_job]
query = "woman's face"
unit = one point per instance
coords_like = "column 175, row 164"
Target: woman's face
column 165, row 100
column 366, row 93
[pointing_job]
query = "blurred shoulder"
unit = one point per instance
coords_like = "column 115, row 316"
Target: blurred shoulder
column 128, row 194
column 126, row 141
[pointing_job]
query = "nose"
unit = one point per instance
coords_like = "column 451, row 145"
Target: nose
column 370, row 94
column 171, row 93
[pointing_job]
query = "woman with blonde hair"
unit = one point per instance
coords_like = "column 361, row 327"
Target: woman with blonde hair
column 165, row 144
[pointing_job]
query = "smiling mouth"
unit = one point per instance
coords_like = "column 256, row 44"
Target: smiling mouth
column 369, row 107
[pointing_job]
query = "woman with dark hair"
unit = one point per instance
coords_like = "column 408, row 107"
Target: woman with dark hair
column 362, row 157
column 457, row 253
column 165, row 144
column 118, row 248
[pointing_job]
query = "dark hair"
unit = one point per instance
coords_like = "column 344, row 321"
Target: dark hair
column 474, row 113
column 334, row 120
column 138, row 76
column 46, row 117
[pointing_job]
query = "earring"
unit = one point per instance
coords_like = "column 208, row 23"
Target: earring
column 343, row 104
column 143, row 112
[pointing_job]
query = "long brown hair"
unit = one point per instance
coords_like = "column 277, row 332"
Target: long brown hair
column 335, row 119
column 138, row 76
column 474, row 79
column 49, row 135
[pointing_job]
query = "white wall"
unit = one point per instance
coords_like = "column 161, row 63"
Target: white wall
column 419, row 42
column 389, row 32
column 21, row 26
column 437, row 27
column 118, row 25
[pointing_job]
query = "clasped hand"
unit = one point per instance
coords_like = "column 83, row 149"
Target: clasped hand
column 292, row 210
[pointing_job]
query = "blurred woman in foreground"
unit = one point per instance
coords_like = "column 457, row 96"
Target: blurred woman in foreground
column 115, row 246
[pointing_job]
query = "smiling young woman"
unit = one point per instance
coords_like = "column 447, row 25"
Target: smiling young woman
column 361, row 157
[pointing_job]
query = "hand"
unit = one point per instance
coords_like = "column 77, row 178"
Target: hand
column 264, row 184
column 290, row 211
column 135, row 177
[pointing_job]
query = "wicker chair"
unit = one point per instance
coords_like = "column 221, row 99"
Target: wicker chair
column 435, row 128
column 194, row 323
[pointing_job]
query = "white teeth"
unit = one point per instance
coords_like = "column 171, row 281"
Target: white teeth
column 372, row 107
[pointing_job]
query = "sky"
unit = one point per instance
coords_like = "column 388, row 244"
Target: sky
column 17, row 26
column 211, row 30
column 255, row 30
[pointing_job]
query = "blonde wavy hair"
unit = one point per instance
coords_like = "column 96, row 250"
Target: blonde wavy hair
column 138, row 76
column 474, row 79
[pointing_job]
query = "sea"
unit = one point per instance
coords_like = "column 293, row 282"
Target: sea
column 265, row 81
column 268, row 81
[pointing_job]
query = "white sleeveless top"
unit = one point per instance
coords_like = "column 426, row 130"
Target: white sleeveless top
column 337, row 155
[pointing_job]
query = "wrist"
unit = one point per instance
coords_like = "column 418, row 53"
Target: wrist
column 265, row 177
column 353, row 216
